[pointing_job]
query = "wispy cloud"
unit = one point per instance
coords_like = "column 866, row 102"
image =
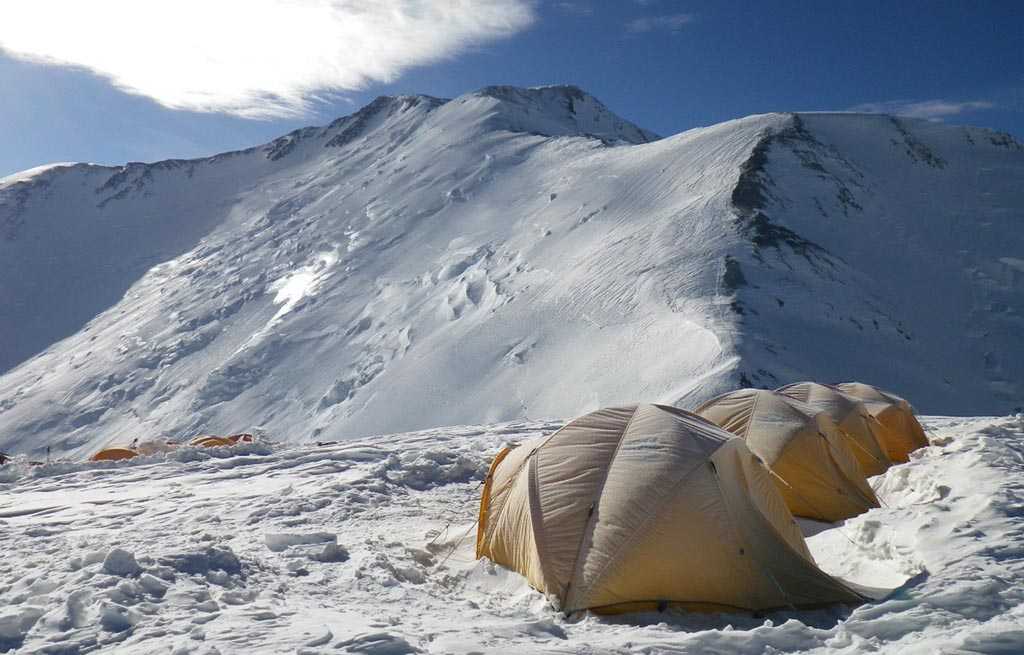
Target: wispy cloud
column 575, row 8
column 251, row 57
column 935, row 110
column 669, row 23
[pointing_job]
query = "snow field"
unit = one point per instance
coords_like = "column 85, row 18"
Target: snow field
column 367, row 547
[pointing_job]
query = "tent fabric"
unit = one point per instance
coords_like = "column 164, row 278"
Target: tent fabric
column 852, row 418
column 154, row 447
column 644, row 506
column 113, row 454
column 210, row 441
column 214, row 441
column 814, row 470
column 901, row 433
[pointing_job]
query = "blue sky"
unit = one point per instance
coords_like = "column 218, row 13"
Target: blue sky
column 667, row 65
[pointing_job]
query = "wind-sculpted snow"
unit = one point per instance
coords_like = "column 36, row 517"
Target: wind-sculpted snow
column 509, row 254
column 368, row 547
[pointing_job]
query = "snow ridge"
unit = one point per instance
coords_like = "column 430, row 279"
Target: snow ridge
column 509, row 254
column 856, row 220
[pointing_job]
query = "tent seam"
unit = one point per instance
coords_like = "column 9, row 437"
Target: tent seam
column 869, row 502
column 740, row 538
column 753, row 413
column 593, row 503
column 532, row 490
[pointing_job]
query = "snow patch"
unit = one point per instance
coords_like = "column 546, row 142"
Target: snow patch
column 305, row 282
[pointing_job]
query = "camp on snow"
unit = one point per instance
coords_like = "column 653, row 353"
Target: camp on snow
column 153, row 446
column 810, row 462
column 852, row 418
column 901, row 433
column 647, row 507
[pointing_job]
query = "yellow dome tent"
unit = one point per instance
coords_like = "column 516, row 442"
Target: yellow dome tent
column 113, row 454
column 814, row 470
column 852, row 418
column 901, row 434
column 643, row 507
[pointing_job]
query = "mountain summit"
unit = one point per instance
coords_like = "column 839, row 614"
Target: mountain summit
column 509, row 253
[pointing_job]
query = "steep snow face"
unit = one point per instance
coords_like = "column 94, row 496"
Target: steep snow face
column 513, row 253
column 887, row 250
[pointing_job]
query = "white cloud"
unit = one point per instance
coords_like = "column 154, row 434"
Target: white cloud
column 251, row 57
column 670, row 23
column 934, row 110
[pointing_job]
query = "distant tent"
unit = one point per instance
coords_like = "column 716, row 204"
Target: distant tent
column 851, row 416
column 814, row 470
column 241, row 438
column 901, row 433
column 114, row 453
column 212, row 441
column 154, row 447
column 644, row 507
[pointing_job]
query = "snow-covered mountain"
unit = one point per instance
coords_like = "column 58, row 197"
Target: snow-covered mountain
column 512, row 253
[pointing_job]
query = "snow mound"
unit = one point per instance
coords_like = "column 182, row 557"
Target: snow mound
column 121, row 563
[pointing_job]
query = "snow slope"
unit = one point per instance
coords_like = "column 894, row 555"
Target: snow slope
column 509, row 254
column 896, row 259
column 367, row 547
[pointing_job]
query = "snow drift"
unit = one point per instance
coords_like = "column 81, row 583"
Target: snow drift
column 509, row 254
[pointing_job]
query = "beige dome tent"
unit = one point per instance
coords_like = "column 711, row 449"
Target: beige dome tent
column 214, row 441
column 814, row 470
column 642, row 507
column 852, row 418
column 901, row 434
